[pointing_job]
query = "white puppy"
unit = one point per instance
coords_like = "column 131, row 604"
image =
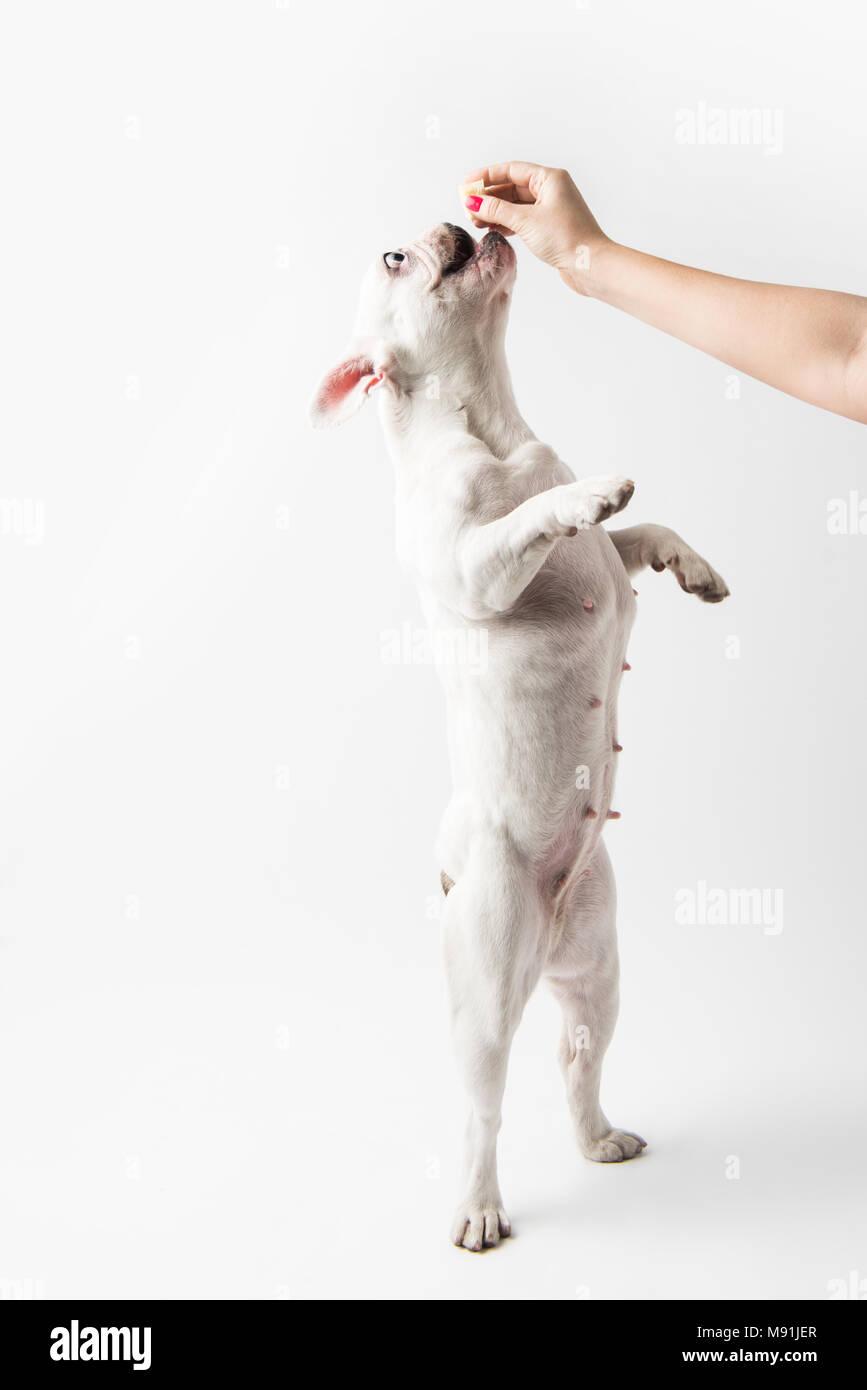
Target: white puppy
column 498, row 535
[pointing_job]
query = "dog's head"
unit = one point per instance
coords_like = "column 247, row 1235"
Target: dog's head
column 432, row 317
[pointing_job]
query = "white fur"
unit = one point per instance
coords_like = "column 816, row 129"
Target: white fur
column 498, row 534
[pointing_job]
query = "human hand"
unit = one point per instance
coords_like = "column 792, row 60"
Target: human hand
column 545, row 209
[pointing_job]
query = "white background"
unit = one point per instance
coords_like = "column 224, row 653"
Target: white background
column 225, row 1067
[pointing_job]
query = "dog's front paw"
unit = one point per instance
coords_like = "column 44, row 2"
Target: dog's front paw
column 592, row 500
column 479, row 1225
column 693, row 574
column 613, row 1147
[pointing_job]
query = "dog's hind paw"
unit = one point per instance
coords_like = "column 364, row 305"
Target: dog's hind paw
column 477, row 1227
column 613, row 1147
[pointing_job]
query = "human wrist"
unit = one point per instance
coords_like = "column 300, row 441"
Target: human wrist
column 590, row 266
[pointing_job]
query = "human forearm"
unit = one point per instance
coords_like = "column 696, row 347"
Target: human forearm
column 810, row 343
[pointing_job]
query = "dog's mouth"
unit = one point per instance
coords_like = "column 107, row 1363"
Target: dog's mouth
column 463, row 250
column 451, row 256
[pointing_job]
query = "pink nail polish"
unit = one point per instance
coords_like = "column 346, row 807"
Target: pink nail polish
column 473, row 204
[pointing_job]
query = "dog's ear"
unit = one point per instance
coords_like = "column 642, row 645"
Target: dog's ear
column 345, row 388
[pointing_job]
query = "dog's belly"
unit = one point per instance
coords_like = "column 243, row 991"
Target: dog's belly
column 533, row 726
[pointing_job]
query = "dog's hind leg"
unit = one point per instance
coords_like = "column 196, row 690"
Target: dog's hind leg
column 493, row 942
column 583, row 975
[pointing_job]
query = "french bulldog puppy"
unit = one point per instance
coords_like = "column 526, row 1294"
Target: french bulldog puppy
column 501, row 538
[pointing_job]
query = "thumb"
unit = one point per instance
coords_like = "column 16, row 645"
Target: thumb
column 496, row 212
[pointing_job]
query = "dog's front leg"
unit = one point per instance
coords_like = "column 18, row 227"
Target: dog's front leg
column 661, row 549
column 492, row 930
column 499, row 559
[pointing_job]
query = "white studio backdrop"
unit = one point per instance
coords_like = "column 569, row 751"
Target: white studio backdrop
column 225, row 1063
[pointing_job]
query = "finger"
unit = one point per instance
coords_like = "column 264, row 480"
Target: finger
column 510, row 194
column 518, row 173
column 491, row 227
column 495, row 212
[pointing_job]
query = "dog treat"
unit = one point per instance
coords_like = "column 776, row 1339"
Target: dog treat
column 467, row 189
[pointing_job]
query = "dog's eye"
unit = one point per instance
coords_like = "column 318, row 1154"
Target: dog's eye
column 393, row 259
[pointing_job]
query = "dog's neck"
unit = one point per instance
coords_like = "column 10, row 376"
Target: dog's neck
column 420, row 419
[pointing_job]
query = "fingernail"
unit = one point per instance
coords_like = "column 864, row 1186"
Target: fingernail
column 473, row 204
